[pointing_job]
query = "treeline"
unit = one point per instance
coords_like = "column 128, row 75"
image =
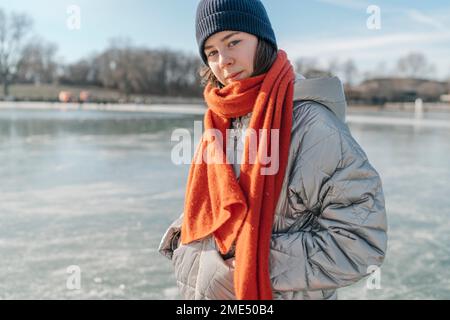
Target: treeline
column 137, row 70
column 122, row 66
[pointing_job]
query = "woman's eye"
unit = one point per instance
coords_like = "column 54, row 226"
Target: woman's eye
column 235, row 42
column 231, row 44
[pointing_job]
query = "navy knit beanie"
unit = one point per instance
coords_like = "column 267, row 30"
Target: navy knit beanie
column 248, row 16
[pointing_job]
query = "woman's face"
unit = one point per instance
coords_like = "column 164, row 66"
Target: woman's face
column 229, row 53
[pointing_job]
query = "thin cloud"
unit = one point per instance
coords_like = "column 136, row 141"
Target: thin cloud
column 368, row 51
column 422, row 18
column 414, row 15
column 348, row 4
column 314, row 47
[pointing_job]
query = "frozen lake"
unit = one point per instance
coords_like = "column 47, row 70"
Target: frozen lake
column 98, row 189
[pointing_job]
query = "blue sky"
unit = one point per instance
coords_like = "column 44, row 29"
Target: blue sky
column 320, row 29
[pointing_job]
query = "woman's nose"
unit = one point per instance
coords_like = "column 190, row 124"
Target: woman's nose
column 225, row 60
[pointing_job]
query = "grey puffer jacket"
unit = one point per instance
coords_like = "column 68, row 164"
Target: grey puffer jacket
column 330, row 225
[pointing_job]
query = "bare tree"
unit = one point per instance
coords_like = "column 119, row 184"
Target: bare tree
column 304, row 65
column 122, row 67
column 350, row 71
column 448, row 83
column 13, row 30
column 38, row 63
column 181, row 73
column 83, row 72
column 381, row 70
column 414, row 65
column 141, row 70
column 334, row 67
column 309, row 68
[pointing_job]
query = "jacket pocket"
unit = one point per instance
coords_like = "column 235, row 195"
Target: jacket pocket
column 221, row 275
column 166, row 246
column 185, row 260
column 175, row 241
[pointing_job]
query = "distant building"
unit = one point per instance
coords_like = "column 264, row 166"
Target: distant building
column 445, row 98
column 382, row 90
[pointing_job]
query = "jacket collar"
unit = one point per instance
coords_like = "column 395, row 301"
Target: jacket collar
column 327, row 91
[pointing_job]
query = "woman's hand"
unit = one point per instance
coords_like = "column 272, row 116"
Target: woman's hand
column 230, row 262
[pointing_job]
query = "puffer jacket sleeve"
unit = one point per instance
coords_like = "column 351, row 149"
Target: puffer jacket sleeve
column 170, row 240
column 333, row 181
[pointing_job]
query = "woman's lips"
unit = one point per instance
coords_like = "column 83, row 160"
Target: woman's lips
column 234, row 76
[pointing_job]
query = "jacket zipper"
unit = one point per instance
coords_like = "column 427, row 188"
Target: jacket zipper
column 235, row 141
column 235, row 149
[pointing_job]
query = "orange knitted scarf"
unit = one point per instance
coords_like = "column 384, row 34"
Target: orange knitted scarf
column 216, row 202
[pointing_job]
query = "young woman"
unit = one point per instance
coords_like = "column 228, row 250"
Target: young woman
column 310, row 220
